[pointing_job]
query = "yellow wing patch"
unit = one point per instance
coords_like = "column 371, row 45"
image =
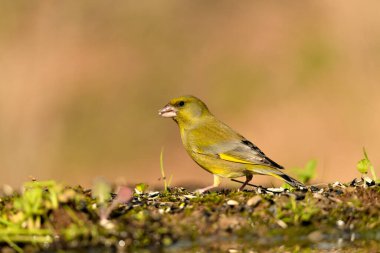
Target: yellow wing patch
column 276, row 176
column 233, row 159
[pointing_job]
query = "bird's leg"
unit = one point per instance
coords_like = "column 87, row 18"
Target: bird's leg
column 215, row 184
column 247, row 179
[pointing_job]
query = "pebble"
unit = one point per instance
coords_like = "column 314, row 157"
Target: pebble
column 232, row 202
column 340, row 223
column 315, row 236
column 107, row 224
column 336, row 184
column 369, row 181
column 153, row 194
column 277, row 190
column 317, row 195
column 189, row 196
column 282, row 224
column 122, row 243
column 254, row 201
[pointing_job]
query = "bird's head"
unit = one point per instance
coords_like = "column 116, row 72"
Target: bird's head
column 185, row 110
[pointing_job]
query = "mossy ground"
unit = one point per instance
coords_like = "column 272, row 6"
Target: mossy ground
column 48, row 217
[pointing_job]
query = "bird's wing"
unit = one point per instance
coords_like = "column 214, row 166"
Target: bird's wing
column 218, row 140
column 247, row 152
column 242, row 151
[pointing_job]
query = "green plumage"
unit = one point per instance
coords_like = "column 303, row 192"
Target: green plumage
column 216, row 147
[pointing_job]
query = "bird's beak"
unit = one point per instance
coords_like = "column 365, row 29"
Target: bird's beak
column 168, row 111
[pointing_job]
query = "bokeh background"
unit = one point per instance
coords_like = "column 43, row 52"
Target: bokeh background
column 81, row 83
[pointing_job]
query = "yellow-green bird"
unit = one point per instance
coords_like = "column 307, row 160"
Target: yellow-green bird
column 216, row 147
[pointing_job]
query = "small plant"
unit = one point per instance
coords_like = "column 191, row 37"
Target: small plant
column 102, row 193
column 141, row 188
column 166, row 182
column 36, row 200
column 364, row 165
column 297, row 213
column 308, row 172
column 21, row 221
column 304, row 175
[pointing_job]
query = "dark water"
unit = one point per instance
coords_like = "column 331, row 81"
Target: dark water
column 321, row 242
column 344, row 241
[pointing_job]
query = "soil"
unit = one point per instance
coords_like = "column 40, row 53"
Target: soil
column 333, row 218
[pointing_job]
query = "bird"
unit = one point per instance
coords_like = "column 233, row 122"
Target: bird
column 218, row 148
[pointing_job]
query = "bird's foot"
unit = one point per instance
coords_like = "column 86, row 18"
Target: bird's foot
column 214, row 185
column 246, row 182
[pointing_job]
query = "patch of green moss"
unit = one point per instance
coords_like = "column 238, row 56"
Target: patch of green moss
column 47, row 215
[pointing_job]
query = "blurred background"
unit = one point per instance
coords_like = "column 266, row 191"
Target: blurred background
column 81, row 84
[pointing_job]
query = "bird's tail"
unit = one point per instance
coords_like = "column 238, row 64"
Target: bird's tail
column 280, row 175
column 293, row 182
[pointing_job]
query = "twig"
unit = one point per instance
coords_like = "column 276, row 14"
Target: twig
column 259, row 186
column 238, row 181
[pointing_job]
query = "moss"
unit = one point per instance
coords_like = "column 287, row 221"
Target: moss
column 50, row 216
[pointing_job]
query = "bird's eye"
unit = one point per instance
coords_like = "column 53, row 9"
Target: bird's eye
column 181, row 103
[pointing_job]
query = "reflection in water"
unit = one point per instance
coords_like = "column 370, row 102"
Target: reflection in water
column 343, row 240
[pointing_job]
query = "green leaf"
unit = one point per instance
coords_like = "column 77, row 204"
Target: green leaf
column 363, row 166
column 101, row 191
column 307, row 173
column 141, row 188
